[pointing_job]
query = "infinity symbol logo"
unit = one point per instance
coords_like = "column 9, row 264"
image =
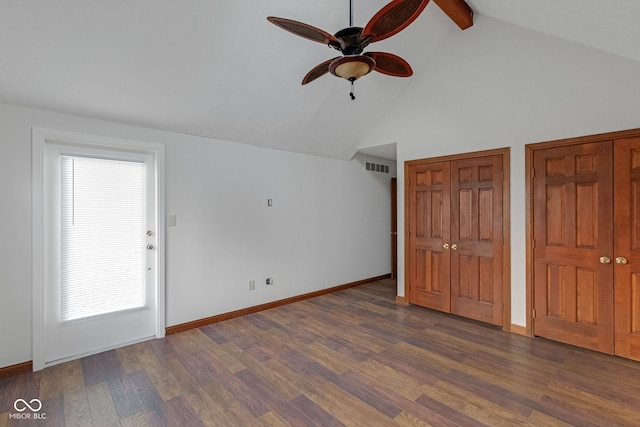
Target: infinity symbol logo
column 26, row 405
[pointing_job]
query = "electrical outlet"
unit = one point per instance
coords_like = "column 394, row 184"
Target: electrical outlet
column 252, row 285
column 269, row 281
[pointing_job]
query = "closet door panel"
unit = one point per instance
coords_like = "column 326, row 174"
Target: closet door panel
column 627, row 247
column 476, row 238
column 428, row 206
column 573, row 252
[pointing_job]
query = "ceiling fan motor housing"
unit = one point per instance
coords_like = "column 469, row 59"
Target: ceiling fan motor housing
column 351, row 41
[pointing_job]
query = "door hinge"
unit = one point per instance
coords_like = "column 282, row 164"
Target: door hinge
column 408, row 183
column 533, row 173
column 533, row 312
column 533, row 243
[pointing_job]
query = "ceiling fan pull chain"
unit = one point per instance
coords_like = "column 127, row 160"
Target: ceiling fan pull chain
column 352, row 94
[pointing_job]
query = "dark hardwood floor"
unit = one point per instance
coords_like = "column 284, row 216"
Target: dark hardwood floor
column 351, row 358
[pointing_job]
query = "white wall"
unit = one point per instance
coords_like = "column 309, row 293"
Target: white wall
column 329, row 223
column 498, row 85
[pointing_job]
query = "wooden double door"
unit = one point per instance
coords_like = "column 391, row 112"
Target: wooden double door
column 455, row 235
column 586, row 244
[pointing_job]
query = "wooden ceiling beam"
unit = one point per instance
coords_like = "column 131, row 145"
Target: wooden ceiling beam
column 459, row 12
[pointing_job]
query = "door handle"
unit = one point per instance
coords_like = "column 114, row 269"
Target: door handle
column 454, row 247
column 149, row 247
column 446, row 246
column 621, row 260
column 605, row 260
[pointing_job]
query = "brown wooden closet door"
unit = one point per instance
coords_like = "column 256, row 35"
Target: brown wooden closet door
column 428, row 206
column 627, row 247
column 476, row 238
column 573, row 216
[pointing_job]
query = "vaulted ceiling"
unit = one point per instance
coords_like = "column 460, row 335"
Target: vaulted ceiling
column 219, row 69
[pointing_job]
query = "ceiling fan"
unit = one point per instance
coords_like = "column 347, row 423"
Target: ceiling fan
column 351, row 42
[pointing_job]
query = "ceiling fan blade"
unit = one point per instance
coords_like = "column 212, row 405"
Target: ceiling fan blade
column 318, row 71
column 393, row 18
column 304, row 30
column 390, row 64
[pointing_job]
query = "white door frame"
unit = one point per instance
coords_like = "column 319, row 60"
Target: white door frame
column 39, row 139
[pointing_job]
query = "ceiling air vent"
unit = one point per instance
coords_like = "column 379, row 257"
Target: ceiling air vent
column 376, row 167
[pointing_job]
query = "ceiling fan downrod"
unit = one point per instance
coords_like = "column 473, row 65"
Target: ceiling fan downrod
column 350, row 13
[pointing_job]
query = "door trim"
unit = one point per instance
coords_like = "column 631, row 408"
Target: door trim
column 530, row 149
column 394, row 228
column 39, row 138
column 506, row 224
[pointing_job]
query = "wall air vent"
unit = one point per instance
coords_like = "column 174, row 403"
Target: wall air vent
column 376, row 167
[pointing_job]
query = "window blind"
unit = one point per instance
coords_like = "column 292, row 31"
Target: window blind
column 102, row 241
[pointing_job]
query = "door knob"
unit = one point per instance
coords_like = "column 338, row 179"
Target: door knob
column 621, row 260
column 605, row 260
column 149, row 247
column 446, row 246
column 454, row 247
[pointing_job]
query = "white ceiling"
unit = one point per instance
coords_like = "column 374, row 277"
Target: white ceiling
column 609, row 25
column 219, row 69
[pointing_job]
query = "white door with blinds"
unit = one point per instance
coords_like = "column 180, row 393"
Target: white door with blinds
column 99, row 281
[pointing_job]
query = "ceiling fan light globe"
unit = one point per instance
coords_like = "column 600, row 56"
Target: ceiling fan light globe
column 352, row 67
column 352, row 70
